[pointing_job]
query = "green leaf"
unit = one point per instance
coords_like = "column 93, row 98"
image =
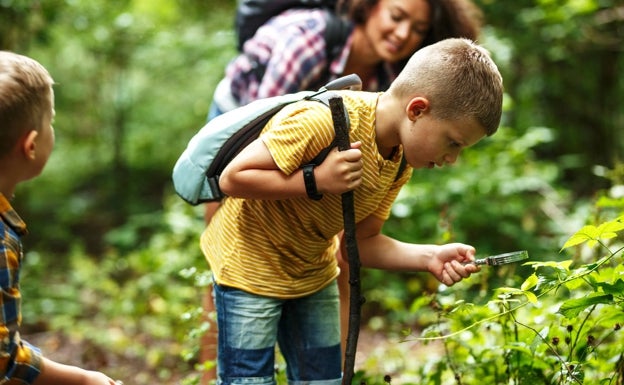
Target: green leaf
column 530, row 282
column 585, row 234
column 573, row 284
column 617, row 288
column 520, row 347
column 531, row 297
column 612, row 227
column 538, row 339
column 563, row 265
column 592, row 234
column 571, row 308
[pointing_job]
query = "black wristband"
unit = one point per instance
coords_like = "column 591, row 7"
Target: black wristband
column 310, row 182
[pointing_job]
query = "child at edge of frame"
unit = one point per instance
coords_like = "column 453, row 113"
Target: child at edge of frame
column 271, row 246
column 26, row 142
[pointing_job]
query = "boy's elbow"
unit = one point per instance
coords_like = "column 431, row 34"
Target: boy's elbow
column 225, row 184
column 232, row 184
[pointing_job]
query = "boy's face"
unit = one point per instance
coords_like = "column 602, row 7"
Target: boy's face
column 434, row 142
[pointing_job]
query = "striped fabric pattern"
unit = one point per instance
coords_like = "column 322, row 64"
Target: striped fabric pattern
column 286, row 248
column 20, row 363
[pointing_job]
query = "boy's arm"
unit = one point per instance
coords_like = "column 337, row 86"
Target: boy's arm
column 53, row 373
column 445, row 262
column 253, row 174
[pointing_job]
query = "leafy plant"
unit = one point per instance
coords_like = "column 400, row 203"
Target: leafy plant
column 561, row 326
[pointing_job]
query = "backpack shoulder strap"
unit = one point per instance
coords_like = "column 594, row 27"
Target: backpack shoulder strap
column 324, row 98
column 252, row 14
column 336, row 33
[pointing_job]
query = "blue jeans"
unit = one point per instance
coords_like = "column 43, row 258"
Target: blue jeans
column 307, row 330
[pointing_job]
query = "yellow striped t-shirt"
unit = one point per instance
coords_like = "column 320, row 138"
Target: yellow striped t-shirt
column 286, row 248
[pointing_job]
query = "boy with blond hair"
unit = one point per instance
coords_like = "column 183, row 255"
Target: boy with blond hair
column 271, row 246
column 26, row 142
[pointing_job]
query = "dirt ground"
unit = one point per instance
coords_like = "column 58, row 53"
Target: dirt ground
column 386, row 354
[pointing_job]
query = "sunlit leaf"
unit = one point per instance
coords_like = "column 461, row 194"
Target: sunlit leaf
column 530, row 282
column 592, row 234
column 531, row 297
column 585, row 234
column 612, row 227
column 563, row 265
column 573, row 284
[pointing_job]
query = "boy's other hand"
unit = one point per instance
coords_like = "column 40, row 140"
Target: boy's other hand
column 341, row 171
column 449, row 263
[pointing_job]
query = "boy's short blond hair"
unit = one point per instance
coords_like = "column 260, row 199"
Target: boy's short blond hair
column 26, row 97
column 459, row 79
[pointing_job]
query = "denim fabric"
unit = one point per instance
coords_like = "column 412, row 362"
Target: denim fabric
column 306, row 329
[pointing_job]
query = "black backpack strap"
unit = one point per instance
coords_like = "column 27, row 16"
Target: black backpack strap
column 252, row 14
column 323, row 96
column 337, row 31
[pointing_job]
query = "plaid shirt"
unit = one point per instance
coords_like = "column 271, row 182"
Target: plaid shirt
column 291, row 46
column 20, row 362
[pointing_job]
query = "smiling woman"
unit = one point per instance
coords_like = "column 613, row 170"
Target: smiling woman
column 383, row 34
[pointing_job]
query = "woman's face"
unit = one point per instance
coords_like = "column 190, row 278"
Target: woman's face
column 395, row 29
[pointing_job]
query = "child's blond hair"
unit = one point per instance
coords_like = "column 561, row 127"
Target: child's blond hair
column 26, row 97
column 460, row 80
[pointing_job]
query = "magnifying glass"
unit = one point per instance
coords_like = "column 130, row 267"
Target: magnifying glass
column 502, row 259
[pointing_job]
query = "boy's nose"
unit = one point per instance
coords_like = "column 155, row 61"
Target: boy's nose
column 451, row 158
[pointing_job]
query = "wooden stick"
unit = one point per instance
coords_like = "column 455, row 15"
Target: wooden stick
column 340, row 116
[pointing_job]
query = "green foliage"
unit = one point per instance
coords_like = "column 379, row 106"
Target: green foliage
column 499, row 197
column 134, row 82
column 558, row 55
column 128, row 297
column 561, row 325
column 109, row 263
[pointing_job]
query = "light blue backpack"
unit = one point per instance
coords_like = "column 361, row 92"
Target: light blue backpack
column 196, row 173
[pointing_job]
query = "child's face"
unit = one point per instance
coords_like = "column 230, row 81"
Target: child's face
column 396, row 28
column 434, row 142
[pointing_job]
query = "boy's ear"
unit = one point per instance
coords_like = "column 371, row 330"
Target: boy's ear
column 29, row 145
column 416, row 107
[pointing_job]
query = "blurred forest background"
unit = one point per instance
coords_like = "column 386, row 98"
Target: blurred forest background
column 113, row 271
